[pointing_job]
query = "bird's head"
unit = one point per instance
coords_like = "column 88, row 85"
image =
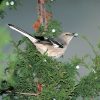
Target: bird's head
column 68, row 36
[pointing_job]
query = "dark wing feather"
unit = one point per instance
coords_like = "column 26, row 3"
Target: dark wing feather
column 56, row 42
column 43, row 40
column 49, row 41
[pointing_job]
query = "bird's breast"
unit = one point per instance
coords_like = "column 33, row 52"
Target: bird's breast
column 55, row 52
column 50, row 50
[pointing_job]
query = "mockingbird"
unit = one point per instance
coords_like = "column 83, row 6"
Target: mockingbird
column 52, row 47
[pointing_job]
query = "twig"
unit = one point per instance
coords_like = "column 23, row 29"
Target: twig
column 27, row 94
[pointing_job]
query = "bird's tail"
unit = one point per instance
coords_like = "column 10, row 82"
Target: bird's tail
column 13, row 27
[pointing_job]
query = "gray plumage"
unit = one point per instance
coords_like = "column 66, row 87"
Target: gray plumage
column 53, row 47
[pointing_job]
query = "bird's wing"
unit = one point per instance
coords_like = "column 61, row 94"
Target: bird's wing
column 43, row 40
column 38, row 39
column 49, row 41
column 55, row 42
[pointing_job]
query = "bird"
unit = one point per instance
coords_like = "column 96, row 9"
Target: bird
column 53, row 47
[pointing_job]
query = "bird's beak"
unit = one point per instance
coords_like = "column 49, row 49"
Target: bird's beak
column 75, row 34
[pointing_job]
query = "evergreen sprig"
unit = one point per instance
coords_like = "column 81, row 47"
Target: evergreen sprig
column 4, row 6
column 89, row 86
column 31, row 67
column 52, row 25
